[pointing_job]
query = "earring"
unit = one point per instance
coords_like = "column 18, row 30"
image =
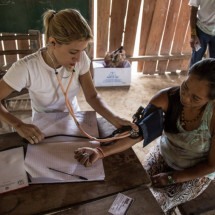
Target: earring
column 50, row 44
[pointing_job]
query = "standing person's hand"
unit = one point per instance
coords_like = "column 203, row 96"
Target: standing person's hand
column 30, row 132
column 194, row 42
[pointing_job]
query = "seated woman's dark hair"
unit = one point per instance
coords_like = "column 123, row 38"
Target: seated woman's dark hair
column 205, row 70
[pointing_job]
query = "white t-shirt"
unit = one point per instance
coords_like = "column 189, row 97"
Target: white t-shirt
column 33, row 73
column 205, row 15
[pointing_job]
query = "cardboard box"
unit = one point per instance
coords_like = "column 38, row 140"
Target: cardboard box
column 108, row 77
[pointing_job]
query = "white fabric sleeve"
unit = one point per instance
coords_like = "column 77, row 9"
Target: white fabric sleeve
column 194, row 3
column 17, row 76
column 85, row 63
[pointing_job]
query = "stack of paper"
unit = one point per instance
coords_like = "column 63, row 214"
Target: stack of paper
column 62, row 123
column 13, row 175
column 53, row 160
column 41, row 159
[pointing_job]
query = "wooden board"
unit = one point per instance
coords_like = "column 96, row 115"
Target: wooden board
column 186, row 49
column 155, row 34
column 118, row 12
column 10, row 45
column 103, row 15
column 180, row 35
column 23, row 45
column 131, row 26
column 1, row 57
column 148, row 11
column 169, row 31
column 144, row 203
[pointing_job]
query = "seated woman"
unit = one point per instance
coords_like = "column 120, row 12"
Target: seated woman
column 182, row 165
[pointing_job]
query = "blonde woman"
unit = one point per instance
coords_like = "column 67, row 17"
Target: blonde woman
column 43, row 73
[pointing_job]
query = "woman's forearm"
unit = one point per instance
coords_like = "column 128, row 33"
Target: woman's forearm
column 200, row 170
column 119, row 146
column 101, row 108
column 8, row 118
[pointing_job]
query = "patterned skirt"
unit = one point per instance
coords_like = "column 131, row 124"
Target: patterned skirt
column 170, row 196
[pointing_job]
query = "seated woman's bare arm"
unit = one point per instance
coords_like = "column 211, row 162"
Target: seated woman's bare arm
column 87, row 155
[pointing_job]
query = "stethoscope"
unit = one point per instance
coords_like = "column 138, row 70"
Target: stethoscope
column 120, row 133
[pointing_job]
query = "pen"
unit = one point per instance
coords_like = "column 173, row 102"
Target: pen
column 78, row 176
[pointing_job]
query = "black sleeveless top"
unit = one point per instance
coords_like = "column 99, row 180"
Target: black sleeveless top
column 173, row 111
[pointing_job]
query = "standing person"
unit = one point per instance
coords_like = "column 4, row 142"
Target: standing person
column 202, row 24
column 182, row 165
column 43, row 73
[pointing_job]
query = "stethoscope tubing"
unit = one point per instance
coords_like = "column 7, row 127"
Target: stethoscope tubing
column 70, row 109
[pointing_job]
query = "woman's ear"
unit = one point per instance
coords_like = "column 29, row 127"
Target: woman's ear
column 51, row 41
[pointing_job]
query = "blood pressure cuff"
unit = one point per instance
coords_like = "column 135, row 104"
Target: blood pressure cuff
column 151, row 123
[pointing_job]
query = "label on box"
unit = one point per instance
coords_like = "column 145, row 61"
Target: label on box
column 112, row 77
column 120, row 205
column 104, row 77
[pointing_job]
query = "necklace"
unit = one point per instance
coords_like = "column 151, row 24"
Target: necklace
column 184, row 122
column 55, row 69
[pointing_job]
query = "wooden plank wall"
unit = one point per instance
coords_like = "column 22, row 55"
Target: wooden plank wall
column 8, row 45
column 1, row 58
column 164, row 35
column 15, row 46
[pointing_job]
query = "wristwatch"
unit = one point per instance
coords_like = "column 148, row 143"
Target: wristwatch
column 170, row 180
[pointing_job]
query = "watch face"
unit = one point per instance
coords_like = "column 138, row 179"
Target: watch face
column 170, row 180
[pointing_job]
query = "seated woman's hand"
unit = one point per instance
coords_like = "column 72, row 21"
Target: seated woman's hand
column 87, row 156
column 162, row 179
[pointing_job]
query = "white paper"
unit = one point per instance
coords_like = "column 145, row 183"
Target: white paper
column 60, row 156
column 58, row 152
column 63, row 123
column 120, row 204
column 13, row 175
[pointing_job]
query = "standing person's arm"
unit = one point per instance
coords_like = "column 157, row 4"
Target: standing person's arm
column 194, row 40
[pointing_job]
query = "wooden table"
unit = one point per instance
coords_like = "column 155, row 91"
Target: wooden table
column 124, row 173
column 144, row 203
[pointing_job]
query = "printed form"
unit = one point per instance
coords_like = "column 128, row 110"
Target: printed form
column 13, row 175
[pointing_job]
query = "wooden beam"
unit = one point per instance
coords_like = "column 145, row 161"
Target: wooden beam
column 14, row 52
column 153, row 57
column 18, row 37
